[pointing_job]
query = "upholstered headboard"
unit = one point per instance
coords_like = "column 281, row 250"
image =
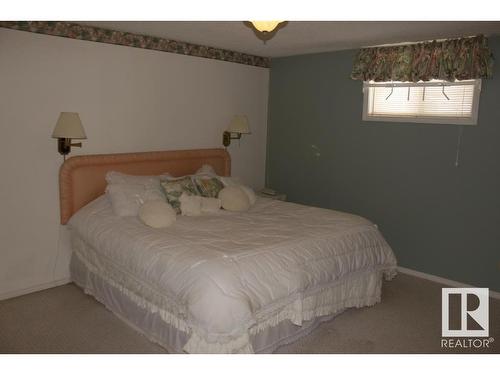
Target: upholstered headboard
column 82, row 178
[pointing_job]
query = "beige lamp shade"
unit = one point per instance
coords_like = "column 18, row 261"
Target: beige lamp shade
column 69, row 126
column 265, row 26
column 239, row 124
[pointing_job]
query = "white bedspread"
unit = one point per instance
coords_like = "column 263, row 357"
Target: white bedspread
column 218, row 277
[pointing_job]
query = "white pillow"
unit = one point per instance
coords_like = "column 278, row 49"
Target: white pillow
column 157, row 214
column 190, row 204
column 165, row 176
column 127, row 198
column 230, row 181
column 235, row 181
column 113, row 177
column 233, row 198
column 250, row 193
column 207, row 169
column 210, row 205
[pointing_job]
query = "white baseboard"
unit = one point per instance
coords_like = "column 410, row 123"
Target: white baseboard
column 442, row 280
column 34, row 288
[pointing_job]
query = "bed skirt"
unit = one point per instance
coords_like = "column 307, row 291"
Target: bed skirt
column 265, row 340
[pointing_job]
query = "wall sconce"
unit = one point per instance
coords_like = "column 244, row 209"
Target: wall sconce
column 237, row 127
column 68, row 127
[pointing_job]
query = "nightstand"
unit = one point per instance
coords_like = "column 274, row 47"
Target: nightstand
column 277, row 196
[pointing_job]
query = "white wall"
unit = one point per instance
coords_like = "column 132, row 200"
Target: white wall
column 129, row 100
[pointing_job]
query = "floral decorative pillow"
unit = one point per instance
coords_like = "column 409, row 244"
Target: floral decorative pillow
column 208, row 187
column 175, row 188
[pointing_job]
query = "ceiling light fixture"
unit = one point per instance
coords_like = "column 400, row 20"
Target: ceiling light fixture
column 265, row 30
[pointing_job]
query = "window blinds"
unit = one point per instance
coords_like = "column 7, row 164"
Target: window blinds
column 434, row 101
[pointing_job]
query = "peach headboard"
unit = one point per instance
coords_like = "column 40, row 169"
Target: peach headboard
column 82, row 178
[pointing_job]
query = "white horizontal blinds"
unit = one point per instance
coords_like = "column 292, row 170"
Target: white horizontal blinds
column 422, row 100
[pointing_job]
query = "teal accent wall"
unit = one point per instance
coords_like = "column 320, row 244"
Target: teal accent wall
column 439, row 219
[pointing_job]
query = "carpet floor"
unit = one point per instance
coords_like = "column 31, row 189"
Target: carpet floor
column 65, row 320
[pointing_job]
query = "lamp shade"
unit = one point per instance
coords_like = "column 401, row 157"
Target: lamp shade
column 69, row 126
column 265, row 26
column 239, row 124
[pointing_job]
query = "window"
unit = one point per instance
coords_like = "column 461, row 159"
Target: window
column 437, row 102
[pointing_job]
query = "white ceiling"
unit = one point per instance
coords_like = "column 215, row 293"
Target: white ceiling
column 300, row 37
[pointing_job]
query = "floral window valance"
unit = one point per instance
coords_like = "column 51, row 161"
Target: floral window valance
column 449, row 60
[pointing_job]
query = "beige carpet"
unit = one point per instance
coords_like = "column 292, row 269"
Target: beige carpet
column 65, row 320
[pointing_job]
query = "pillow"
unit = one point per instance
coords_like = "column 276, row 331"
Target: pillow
column 208, row 187
column 190, row 204
column 207, row 169
column 250, row 194
column 210, row 205
column 113, row 177
column 166, row 176
column 233, row 198
column 127, row 198
column 230, row 181
column 157, row 214
column 174, row 188
column 235, row 181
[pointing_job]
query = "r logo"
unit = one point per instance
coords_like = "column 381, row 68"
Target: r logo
column 465, row 312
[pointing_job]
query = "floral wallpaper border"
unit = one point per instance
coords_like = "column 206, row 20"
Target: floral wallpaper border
column 96, row 34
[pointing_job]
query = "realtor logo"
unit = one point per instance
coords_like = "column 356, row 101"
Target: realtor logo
column 465, row 312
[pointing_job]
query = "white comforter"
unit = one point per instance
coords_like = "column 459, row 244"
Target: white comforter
column 217, row 277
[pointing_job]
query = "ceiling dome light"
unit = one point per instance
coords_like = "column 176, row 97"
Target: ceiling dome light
column 265, row 30
column 265, row 26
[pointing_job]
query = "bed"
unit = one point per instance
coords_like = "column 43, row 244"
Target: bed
column 230, row 282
